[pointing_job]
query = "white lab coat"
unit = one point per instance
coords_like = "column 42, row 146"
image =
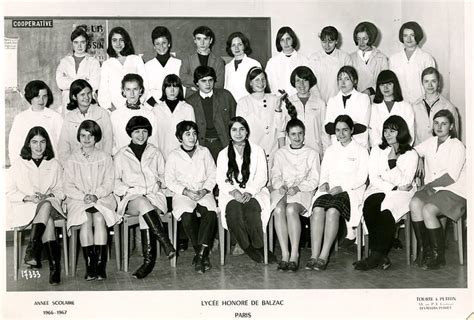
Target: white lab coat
column 279, row 69
column 156, row 73
column 368, row 72
column 235, row 79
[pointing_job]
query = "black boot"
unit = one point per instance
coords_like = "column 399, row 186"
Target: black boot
column 149, row 254
column 196, row 254
column 33, row 251
column 101, row 254
column 254, row 254
column 153, row 221
column 423, row 246
column 90, row 259
column 54, row 258
column 436, row 258
column 202, row 263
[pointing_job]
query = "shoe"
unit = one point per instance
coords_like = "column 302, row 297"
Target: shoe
column 254, row 254
column 91, row 262
column 310, row 264
column 101, row 255
column 321, row 264
column 201, row 263
column 347, row 243
column 282, row 266
column 54, row 259
column 293, row 266
column 153, row 221
column 436, row 259
column 34, row 248
column 386, row 263
column 196, row 253
column 397, row 244
column 149, row 254
column 423, row 245
column 183, row 245
column 371, row 262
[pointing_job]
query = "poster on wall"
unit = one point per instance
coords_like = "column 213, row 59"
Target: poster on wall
column 10, row 65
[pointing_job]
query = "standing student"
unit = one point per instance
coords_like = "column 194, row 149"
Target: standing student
column 213, row 109
column 409, row 63
column 367, row 59
column 139, row 183
column 161, row 65
column 89, row 186
column 122, row 60
column 204, row 39
column 238, row 46
column 388, row 101
column 431, row 102
column 82, row 106
column 78, row 65
column 190, row 172
column 327, row 63
column 40, row 98
column 294, row 178
column 34, row 195
column 280, row 66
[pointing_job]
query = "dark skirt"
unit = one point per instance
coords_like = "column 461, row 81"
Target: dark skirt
column 450, row 204
column 340, row 202
column 425, row 194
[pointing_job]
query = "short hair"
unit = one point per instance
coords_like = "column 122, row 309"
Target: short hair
column 205, row 30
column 304, row 73
column 133, row 77
column 138, row 122
column 245, row 42
column 76, row 87
column 175, row 81
column 128, row 48
column 33, row 88
column 369, row 28
column 412, row 25
column 403, row 136
column 92, row 127
column 159, row 32
column 449, row 115
column 280, row 35
column 202, row 72
column 432, row 70
column 388, row 76
column 252, row 74
column 80, row 31
column 329, row 32
column 25, row 152
column 295, row 122
column 184, row 126
column 351, row 72
column 346, row 119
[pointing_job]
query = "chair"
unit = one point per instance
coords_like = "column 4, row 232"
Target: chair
column 17, row 249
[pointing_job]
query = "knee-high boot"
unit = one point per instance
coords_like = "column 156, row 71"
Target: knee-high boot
column 149, row 254
column 423, row 247
column 34, row 248
column 153, row 221
column 90, row 259
column 101, row 255
column 436, row 258
column 54, row 258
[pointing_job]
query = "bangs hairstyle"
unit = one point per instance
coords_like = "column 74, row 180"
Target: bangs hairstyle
column 293, row 123
column 369, row 28
column 412, row 25
column 128, row 46
column 76, row 87
column 346, row 119
column 403, row 135
column 25, row 152
column 252, row 74
column 304, row 73
column 351, row 72
column 133, row 77
column 184, row 126
column 92, row 127
column 205, row 30
column 388, row 76
column 245, row 42
column 80, row 31
column 172, row 80
column 138, row 122
column 330, row 33
column 33, row 88
column 159, row 32
column 202, row 72
column 232, row 168
column 449, row 115
column 280, row 35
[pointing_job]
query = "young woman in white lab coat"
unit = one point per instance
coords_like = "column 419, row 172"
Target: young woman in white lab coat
column 294, row 178
column 442, row 194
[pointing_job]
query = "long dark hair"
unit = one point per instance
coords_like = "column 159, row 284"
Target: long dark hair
column 403, row 136
column 25, row 152
column 232, row 168
column 388, row 76
column 76, row 87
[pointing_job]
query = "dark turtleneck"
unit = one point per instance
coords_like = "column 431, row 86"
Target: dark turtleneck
column 172, row 104
column 163, row 59
column 189, row 152
column 37, row 161
column 137, row 149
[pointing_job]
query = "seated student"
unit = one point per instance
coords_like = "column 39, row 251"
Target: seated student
column 132, row 90
column 34, row 193
column 82, row 107
column 444, row 192
column 139, row 183
column 89, row 186
column 243, row 197
column 294, row 178
column 190, row 172
column 213, row 109
column 392, row 167
column 204, row 39
column 160, row 66
column 341, row 190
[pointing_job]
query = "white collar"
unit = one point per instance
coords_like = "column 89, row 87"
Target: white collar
column 206, row 95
